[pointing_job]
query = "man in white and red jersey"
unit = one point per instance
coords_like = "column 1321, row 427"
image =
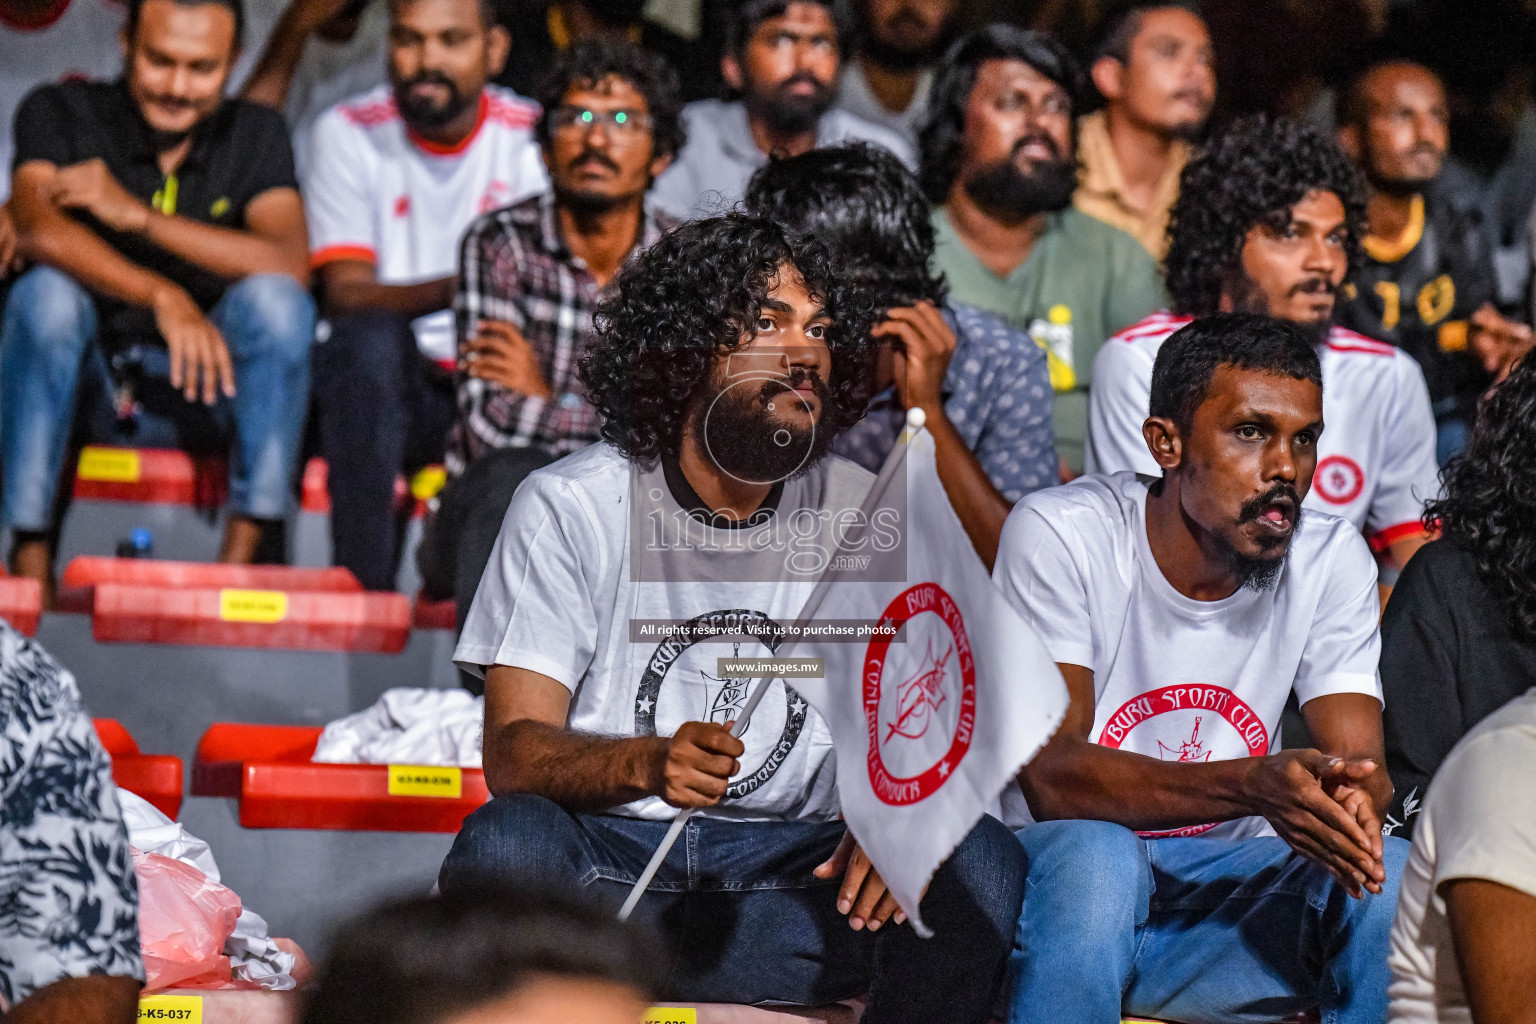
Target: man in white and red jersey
column 1182, row 865
column 396, row 176
column 1269, row 220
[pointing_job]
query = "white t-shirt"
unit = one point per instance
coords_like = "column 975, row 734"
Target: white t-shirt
column 375, row 191
column 1175, row 678
column 81, row 42
column 575, row 578
column 855, row 96
column 327, row 73
column 1478, row 821
column 1375, row 461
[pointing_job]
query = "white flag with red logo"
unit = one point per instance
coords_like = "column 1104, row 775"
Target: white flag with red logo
column 931, row 725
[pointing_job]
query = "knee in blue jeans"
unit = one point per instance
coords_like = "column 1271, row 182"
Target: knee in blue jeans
column 989, row 864
column 1095, row 870
column 55, row 312
column 268, row 314
column 518, row 837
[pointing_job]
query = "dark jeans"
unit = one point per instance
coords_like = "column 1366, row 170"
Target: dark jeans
column 384, row 410
column 747, row 921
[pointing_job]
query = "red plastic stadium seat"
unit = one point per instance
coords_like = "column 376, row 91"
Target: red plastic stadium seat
column 21, row 603
column 155, row 777
column 161, row 476
column 434, row 614
column 268, row 768
column 244, row 617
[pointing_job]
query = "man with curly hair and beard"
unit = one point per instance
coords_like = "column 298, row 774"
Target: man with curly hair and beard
column 1459, row 636
column 1182, row 866
column 1269, row 220
column 728, row 360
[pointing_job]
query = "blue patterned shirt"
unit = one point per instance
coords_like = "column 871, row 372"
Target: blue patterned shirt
column 997, row 393
column 69, row 900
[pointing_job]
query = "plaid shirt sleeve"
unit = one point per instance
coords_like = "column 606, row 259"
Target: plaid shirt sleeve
column 502, row 277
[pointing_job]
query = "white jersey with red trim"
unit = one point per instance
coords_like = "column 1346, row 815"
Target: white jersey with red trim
column 1376, row 459
column 378, row 192
column 68, row 39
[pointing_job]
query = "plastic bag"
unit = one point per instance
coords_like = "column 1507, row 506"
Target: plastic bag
column 184, row 920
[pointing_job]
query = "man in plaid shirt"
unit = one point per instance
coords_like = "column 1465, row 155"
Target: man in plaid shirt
column 530, row 276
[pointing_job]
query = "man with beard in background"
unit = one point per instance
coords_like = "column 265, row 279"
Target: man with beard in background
column 1269, row 220
column 999, row 164
column 396, row 176
column 1155, row 71
column 897, row 44
column 729, row 358
column 1427, row 282
column 783, row 59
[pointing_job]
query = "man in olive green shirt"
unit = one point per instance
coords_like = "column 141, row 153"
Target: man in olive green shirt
column 999, row 165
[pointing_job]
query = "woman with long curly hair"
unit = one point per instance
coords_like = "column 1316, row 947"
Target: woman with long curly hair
column 1459, row 635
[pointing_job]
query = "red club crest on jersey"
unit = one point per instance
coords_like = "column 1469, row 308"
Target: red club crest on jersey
column 911, row 699
column 1184, row 723
column 402, row 206
column 1338, row 480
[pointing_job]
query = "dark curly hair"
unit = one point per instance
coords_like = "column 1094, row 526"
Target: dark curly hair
column 1489, row 496
column 940, row 135
column 1252, row 173
column 591, row 61
column 861, row 198
column 688, row 299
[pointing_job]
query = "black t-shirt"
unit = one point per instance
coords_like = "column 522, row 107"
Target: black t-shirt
column 1421, row 301
column 238, row 152
column 1449, row 658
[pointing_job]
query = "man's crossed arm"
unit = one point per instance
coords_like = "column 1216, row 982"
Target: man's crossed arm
column 528, row 749
column 1326, row 803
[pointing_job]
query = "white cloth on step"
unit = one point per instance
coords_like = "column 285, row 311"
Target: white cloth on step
column 408, row 725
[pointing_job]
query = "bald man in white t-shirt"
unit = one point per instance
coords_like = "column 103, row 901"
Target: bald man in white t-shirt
column 1182, row 866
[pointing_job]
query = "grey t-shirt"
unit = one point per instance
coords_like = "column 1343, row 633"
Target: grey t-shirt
column 711, row 172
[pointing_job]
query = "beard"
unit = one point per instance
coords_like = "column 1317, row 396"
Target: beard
column 1259, row 573
column 583, row 202
column 893, row 55
column 1248, row 297
column 1010, row 194
column 425, row 113
column 743, row 437
column 786, row 113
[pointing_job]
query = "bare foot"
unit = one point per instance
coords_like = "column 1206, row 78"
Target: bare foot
column 241, row 536
column 32, row 558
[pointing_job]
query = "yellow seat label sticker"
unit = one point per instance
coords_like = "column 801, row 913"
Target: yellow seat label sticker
column 426, row 780
column 177, row 1009
column 671, row 1015
column 253, row 605
column 109, row 465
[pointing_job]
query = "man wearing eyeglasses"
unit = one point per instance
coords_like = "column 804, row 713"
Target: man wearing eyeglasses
column 395, row 176
column 530, row 277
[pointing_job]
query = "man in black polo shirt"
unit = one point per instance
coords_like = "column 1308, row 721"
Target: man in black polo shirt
column 168, row 306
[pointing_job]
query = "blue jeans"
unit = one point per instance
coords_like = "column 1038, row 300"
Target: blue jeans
column 1200, row 931
column 747, row 921
column 51, row 370
column 382, row 409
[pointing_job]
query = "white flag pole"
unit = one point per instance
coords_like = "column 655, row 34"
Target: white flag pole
column 915, row 420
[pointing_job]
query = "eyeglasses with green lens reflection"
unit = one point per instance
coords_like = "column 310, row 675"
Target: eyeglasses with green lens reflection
column 569, row 119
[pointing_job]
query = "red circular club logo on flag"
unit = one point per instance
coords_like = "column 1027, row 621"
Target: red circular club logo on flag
column 920, row 701
column 1338, row 480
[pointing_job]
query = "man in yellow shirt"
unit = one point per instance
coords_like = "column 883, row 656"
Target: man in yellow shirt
column 1154, row 70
